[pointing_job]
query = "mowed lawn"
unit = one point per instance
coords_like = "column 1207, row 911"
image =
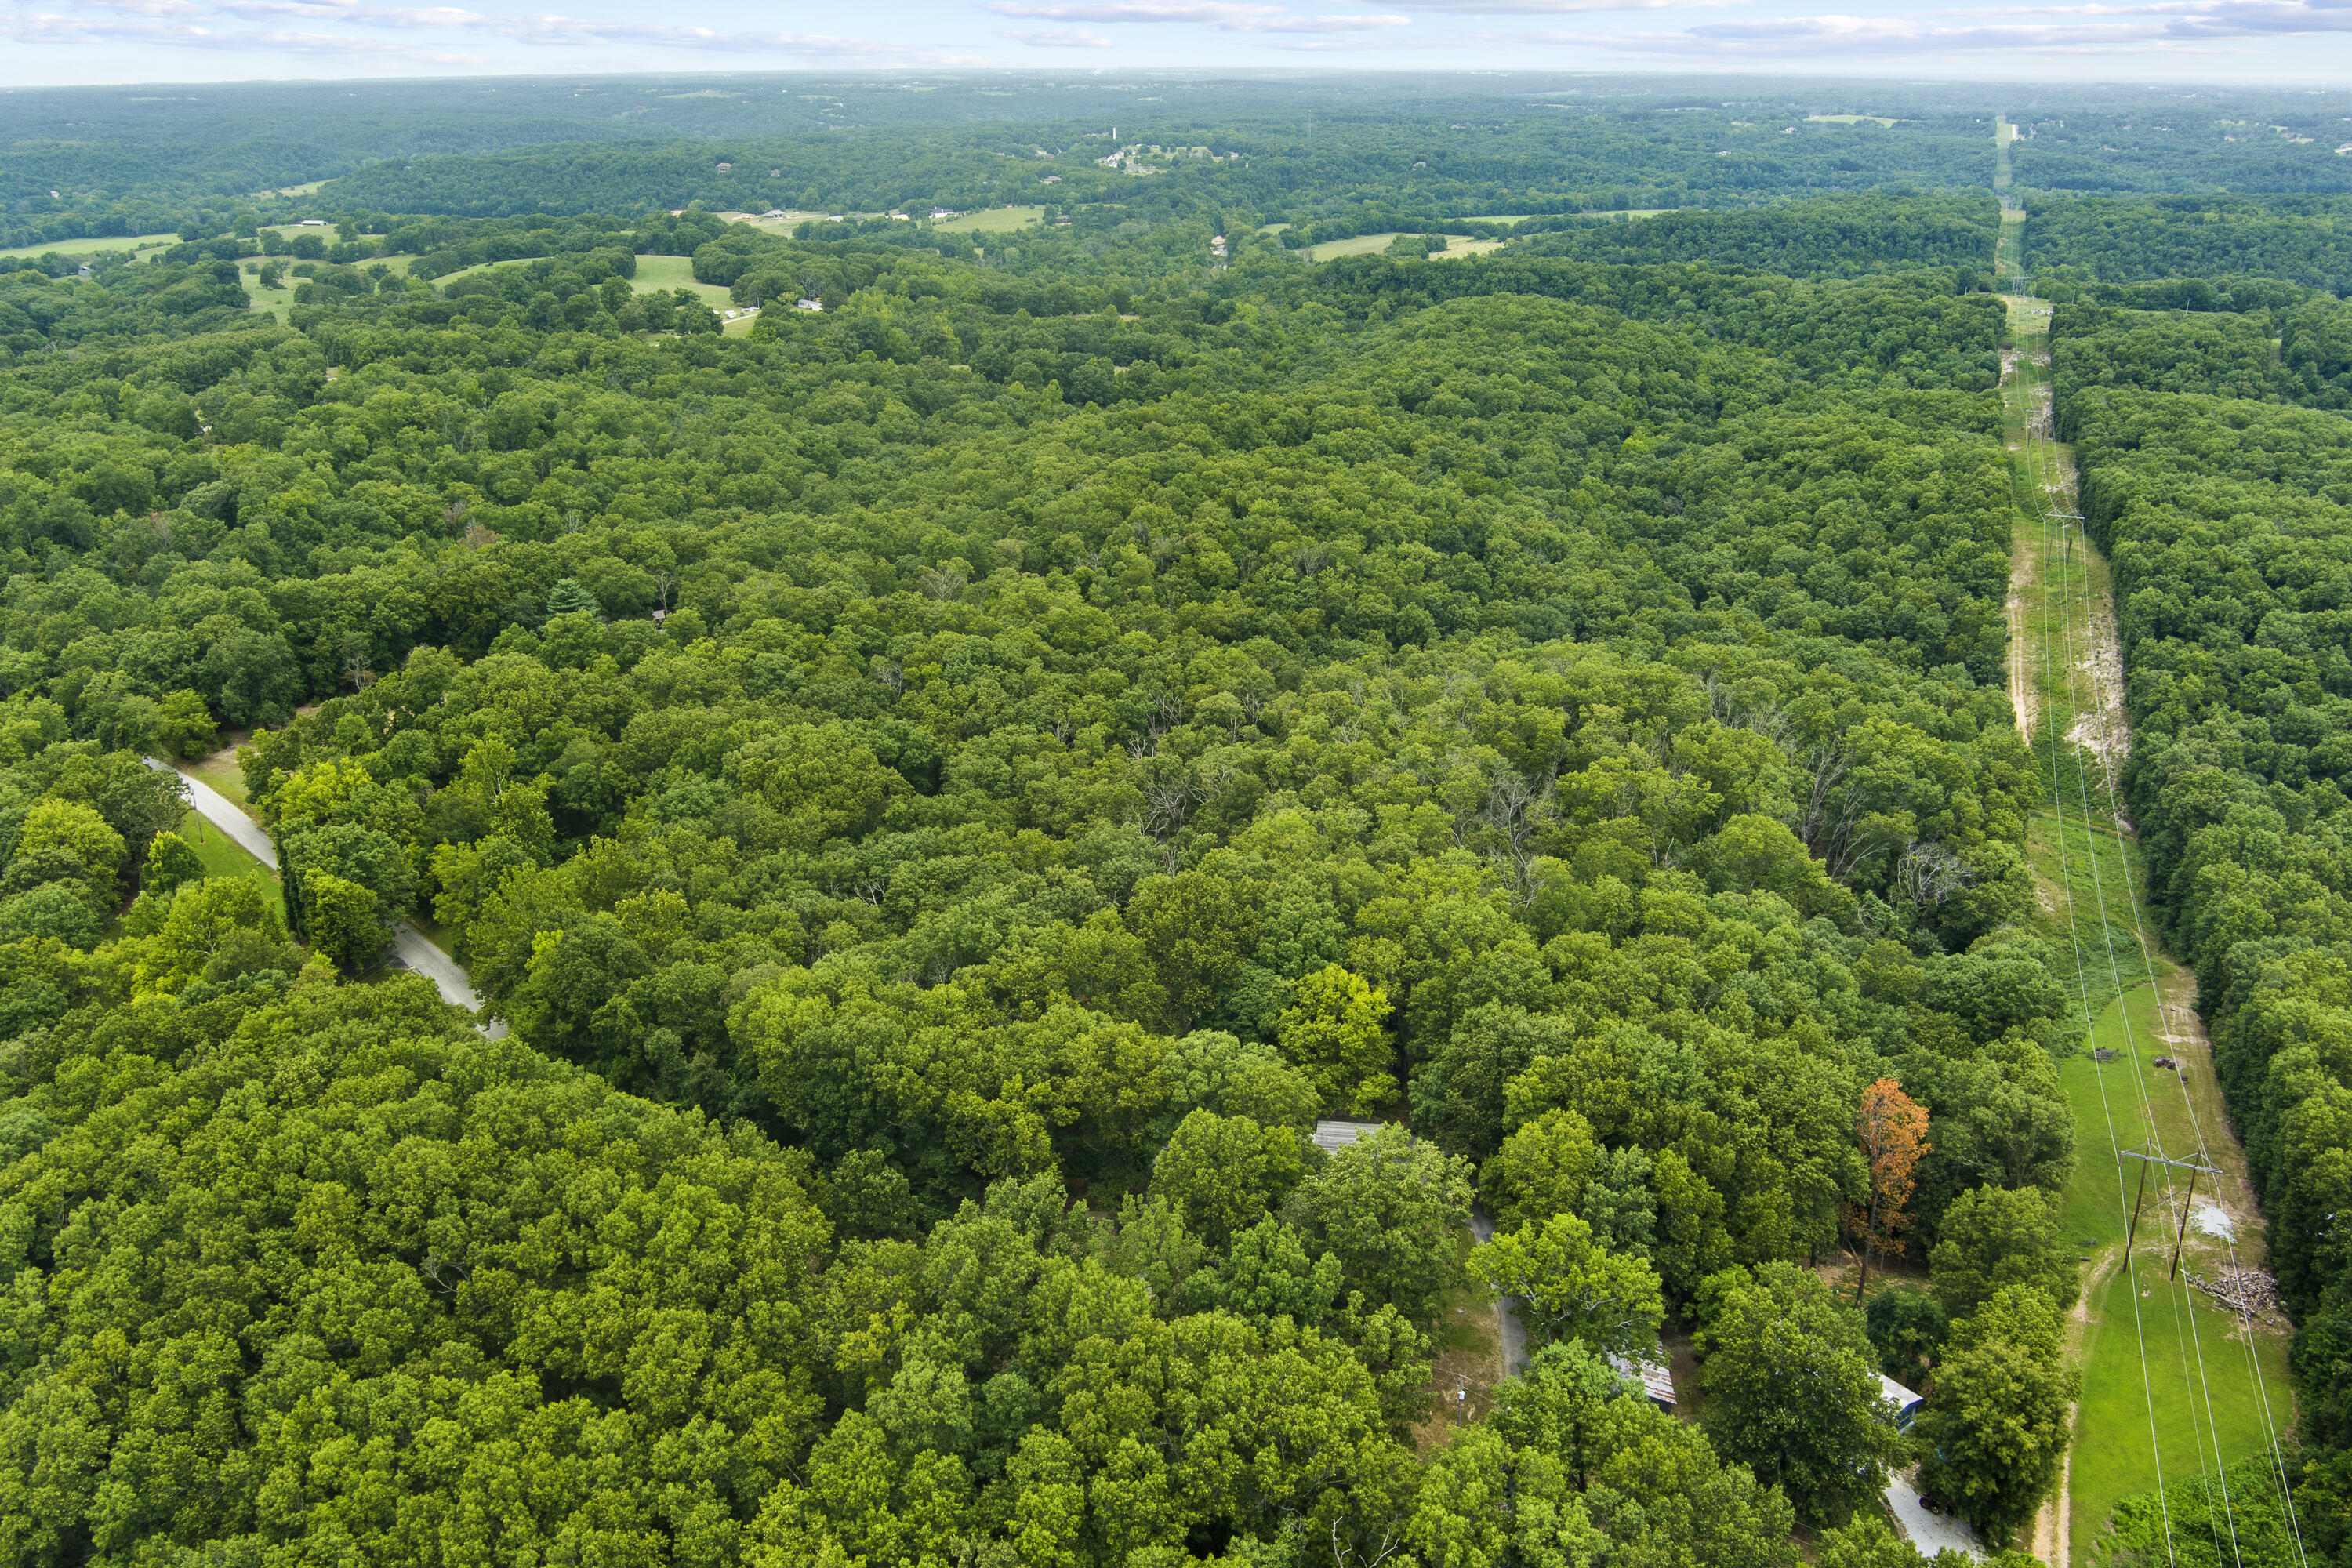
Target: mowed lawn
column 221, row 857
column 92, row 247
column 995, row 220
column 1370, row 244
column 664, row 273
column 1608, row 212
column 275, row 301
column 2170, row 1380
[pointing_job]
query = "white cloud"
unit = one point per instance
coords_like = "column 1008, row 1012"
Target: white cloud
column 1055, row 37
column 2159, row 26
column 1220, row 15
column 1552, row 7
column 42, row 27
column 182, row 24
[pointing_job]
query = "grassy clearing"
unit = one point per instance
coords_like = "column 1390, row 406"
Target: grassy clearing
column 2061, row 618
column 789, row 220
column 1852, row 120
column 994, row 220
column 443, row 281
column 2200, row 1366
column 222, row 857
column 660, row 273
column 1361, row 244
column 656, row 275
column 1612, row 212
column 220, row 773
column 92, row 247
column 272, row 301
column 1372, row 244
column 1468, row 1365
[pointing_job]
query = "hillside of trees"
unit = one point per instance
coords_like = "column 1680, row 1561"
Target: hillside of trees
column 2297, row 239
column 945, row 790
column 940, row 783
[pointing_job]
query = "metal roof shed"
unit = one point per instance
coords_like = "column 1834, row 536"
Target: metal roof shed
column 1333, row 1136
column 1652, row 1375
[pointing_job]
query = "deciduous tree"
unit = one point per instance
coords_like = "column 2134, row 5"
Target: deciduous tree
column 1996, row 1427
column 1793, row 1391
column 1893, row 1131
column 1570, row 1287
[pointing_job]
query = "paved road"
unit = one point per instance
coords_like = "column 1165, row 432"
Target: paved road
column 224, row 814
column 411, row 944
column 1507, row 1322
column 419, row 953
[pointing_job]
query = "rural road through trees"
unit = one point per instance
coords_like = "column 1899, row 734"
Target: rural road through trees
column 413, row 947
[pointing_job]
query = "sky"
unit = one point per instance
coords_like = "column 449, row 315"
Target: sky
column 85, row 42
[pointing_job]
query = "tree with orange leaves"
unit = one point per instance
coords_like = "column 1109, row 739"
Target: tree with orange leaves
column 1893, row 1131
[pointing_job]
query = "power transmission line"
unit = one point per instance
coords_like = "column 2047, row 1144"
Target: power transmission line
column 2073, row 929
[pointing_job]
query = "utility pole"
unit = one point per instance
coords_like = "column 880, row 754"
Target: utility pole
column 2132, row 1229
column 2186, row 1204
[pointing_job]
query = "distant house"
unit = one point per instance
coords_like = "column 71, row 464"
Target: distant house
column 725, row 168
column 1333, row 1136
column 1900, row 1402
column 811, row 305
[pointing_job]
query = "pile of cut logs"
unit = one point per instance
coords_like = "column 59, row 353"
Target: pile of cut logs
column 2249, row 1292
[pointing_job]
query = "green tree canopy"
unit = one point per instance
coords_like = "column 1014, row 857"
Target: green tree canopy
column 1792, row 1391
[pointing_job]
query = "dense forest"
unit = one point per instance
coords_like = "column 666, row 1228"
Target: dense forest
column 945, row 754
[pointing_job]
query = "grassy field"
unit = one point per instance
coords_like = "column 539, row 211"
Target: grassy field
column 2173, row 1386
column 1469, row 1363
column 220, row 773
column 1372, row 244
column 92, row 247
column 448, row 278
column 791, row 219
column 664, row 273
column 275, row 301
column 221, row 857
column 996, row 220
column 2170, row 1382
column 1614, row 212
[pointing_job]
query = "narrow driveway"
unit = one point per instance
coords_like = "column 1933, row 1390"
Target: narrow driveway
column 1512, row 1333
column 1930, row 1533
column 417, row 951
column 409, row 943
